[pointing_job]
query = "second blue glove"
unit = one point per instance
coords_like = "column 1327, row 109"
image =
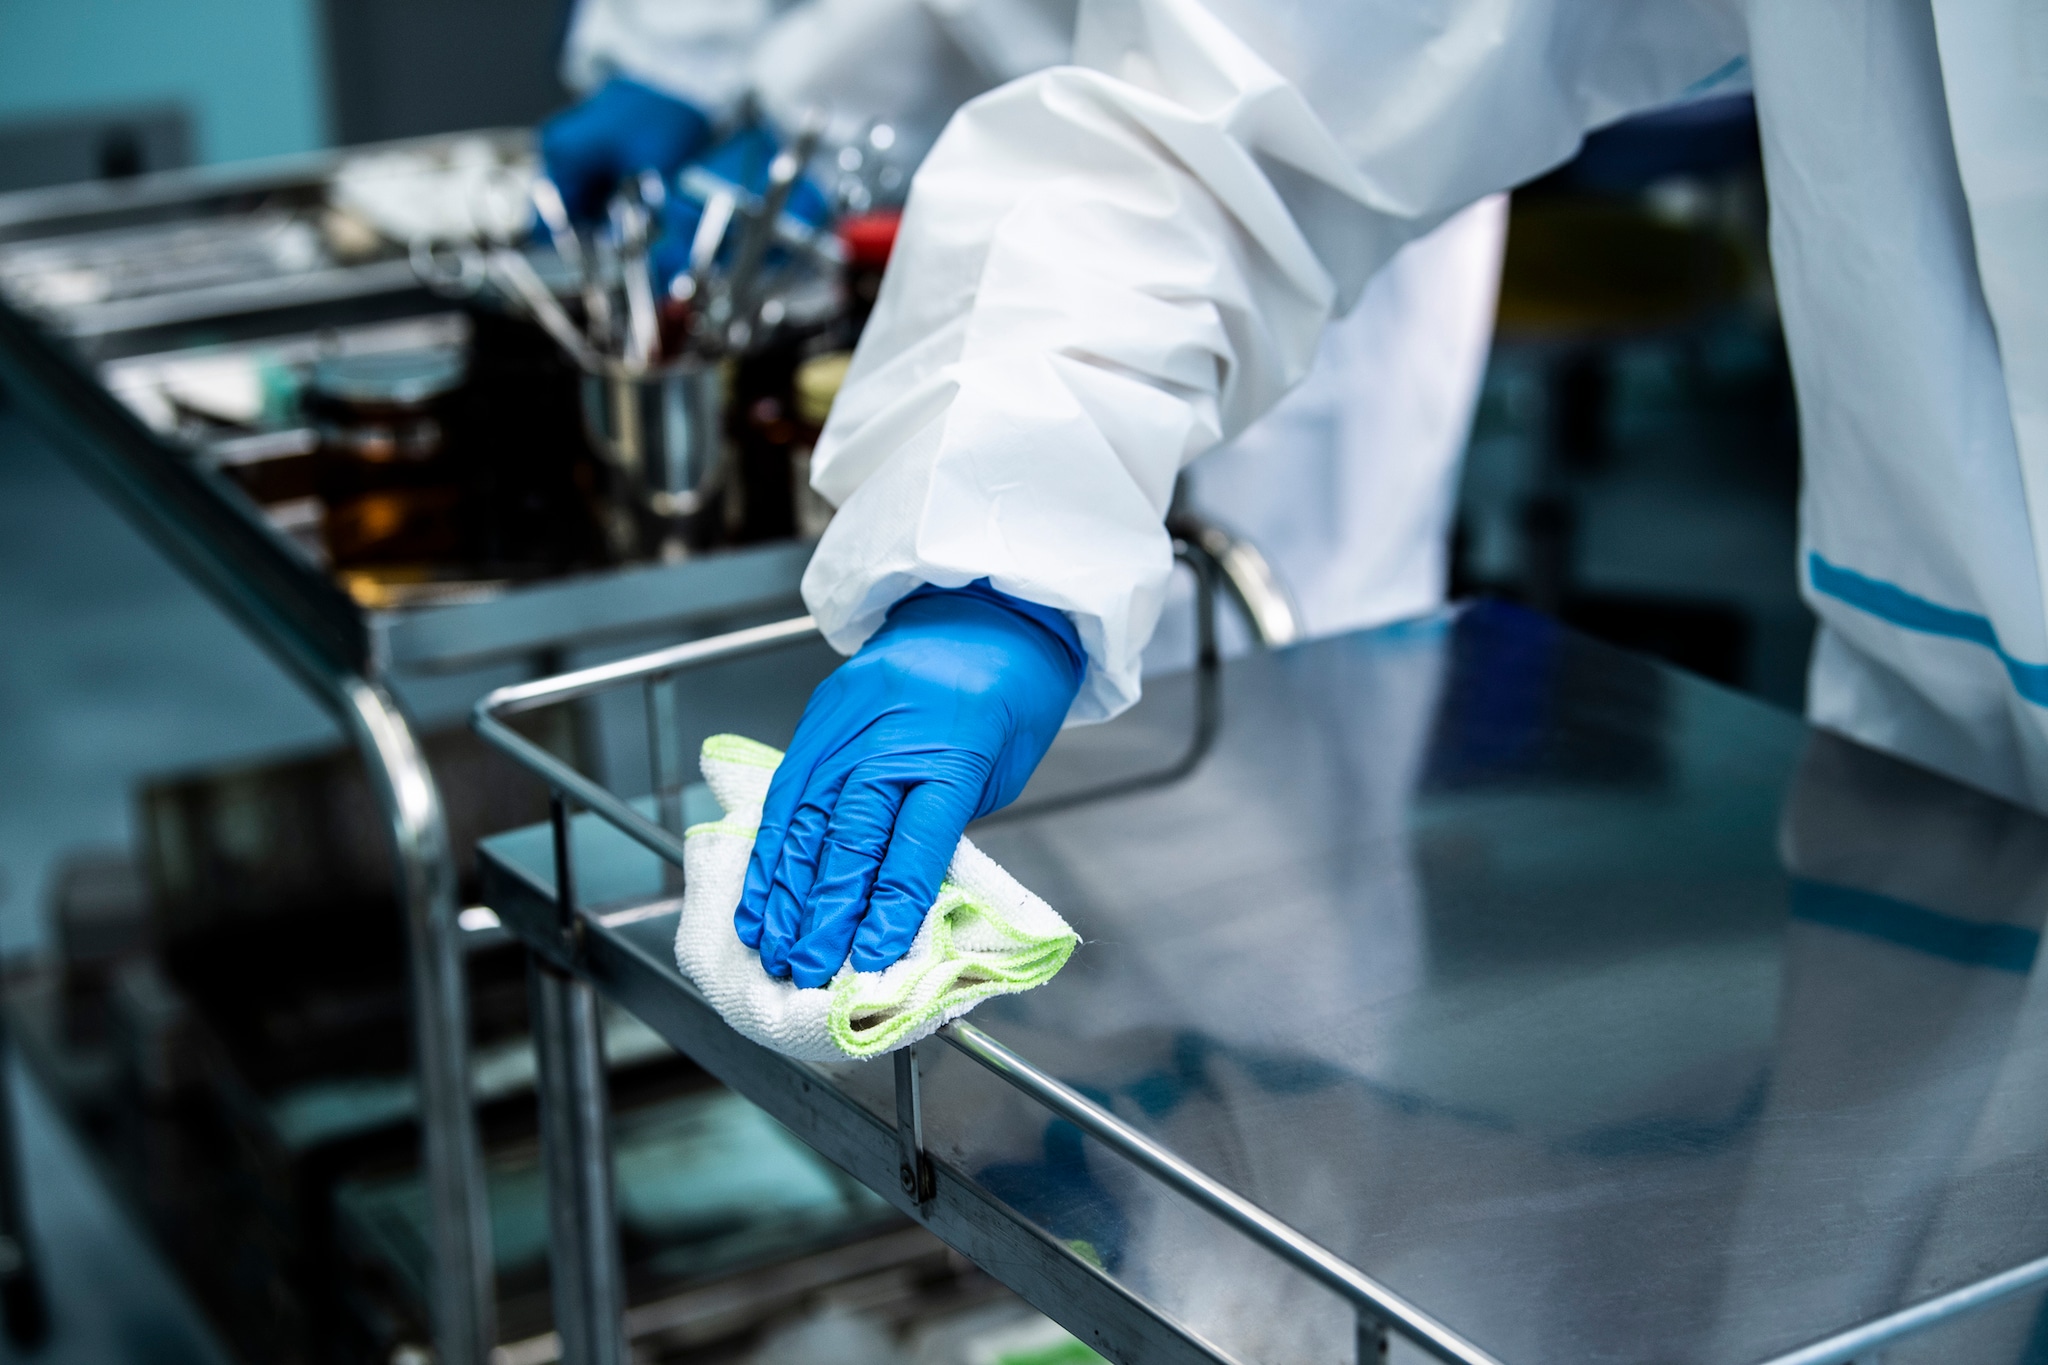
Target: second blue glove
column 621, row 130
column 939, row 719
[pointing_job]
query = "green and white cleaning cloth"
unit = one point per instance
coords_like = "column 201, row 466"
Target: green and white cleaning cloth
column 985, row 935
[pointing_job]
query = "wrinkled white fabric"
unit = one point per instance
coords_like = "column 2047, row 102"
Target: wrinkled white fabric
column 1349, row 484
column 1107, row 268
column 1347, row 487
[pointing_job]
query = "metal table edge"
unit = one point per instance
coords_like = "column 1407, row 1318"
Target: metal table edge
column 187, row 184
column 1050, row 1276
column 588, row 608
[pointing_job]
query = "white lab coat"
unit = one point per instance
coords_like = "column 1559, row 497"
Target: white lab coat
column 1109, row 267
column 1349, row 484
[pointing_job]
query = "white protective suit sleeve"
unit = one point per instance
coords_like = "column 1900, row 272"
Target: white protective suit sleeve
column 1106, row 268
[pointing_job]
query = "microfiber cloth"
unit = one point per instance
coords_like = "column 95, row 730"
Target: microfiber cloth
column 985, row 935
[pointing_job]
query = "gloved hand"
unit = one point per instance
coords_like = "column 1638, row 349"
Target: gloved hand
column 623, row 129
column 938, row 719
column 741, row 162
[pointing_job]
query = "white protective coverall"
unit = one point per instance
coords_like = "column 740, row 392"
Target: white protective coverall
column 1348, row 487
column 1106, row 268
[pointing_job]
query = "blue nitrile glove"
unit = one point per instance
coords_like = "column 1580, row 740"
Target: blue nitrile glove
column 623, row 129
column 741, row 161
column 937, row 720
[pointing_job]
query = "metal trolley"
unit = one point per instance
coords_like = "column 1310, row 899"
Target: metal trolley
column 345, row 656
column 873, row 1124
column 570, row 964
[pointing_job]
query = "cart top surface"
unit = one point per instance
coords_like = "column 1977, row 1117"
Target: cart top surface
column 1603, row 1014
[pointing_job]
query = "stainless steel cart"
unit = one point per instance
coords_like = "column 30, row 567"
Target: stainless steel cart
column 346, row 656
column 1476, row 992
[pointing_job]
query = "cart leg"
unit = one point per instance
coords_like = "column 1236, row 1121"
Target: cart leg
column 915, row 1170
column 583, row 1239
column 584, row 1265
column 665, row 750
column 462, row 1293
column 1372, row 1338
column 25, row 1310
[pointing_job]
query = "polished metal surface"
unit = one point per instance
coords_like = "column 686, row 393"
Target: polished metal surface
column 662, row 428
column 215, row 538
column 1605, row 1015
column 200, row 191
column 1598, row 1013
column 1866, row 1341
column 1377, row 1308
column 655, row 667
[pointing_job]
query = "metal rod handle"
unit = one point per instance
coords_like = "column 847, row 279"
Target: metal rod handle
column 1861, row 1343
column 510, row 701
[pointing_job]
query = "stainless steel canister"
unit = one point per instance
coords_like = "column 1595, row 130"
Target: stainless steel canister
column 662, row 431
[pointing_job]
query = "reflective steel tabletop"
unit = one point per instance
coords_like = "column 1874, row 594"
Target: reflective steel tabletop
column 1601, row 1013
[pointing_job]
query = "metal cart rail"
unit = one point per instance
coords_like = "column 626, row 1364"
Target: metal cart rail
column 620, row 947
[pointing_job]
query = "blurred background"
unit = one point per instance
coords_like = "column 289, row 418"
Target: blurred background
column 204, row 974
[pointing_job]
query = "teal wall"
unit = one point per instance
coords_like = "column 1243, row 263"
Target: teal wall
column 248, row 70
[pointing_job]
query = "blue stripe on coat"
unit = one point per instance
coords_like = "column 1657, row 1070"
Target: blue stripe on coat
column 1889, row 602
column 1973, row 943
